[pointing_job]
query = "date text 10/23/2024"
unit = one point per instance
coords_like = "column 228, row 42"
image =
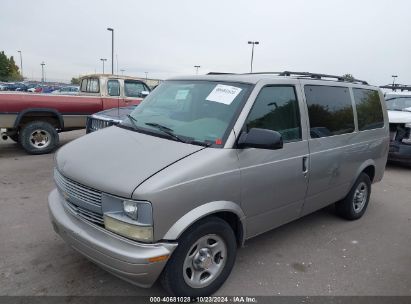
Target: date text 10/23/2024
column 222, row 299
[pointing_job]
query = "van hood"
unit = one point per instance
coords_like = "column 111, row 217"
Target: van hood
column 116, row 160
column 399, row 116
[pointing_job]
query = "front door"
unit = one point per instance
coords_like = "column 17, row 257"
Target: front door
column 274, row 182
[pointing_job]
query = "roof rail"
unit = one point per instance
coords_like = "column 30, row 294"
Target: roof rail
column 300, row 74
column 220, row 73
column 395, row 87
column 314, row 76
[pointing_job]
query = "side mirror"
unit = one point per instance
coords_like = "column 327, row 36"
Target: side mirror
column 260, row 139
column 144, row 93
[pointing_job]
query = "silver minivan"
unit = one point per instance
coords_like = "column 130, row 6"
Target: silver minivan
column 205, row 163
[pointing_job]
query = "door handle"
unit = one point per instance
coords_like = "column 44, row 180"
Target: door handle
column 305, row 165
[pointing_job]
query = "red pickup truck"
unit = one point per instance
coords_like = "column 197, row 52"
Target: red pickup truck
column 34, row 120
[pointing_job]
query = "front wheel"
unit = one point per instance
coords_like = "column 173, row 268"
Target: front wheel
column 353, row 206
column 38, row 137
column 202, row 261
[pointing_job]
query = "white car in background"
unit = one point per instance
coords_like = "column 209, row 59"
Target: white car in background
column 399, row 116
column 69, row 90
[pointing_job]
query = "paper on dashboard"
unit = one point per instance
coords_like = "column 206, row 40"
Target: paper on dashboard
column 223, row 94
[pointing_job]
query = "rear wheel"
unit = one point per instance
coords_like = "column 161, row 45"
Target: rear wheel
column 202, row 261
column 38, row 137
column 353, row 206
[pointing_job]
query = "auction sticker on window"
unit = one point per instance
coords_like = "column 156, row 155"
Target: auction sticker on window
column 223, row 94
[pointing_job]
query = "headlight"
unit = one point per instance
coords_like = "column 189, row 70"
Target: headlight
column 128, row 230
column 131, row 209
column 130, row 218
column 407, row 137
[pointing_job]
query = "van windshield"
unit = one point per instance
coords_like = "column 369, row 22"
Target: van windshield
column 196, row 112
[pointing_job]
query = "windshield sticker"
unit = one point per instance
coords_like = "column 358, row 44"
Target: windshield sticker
column 182, row 94
column 223, row 94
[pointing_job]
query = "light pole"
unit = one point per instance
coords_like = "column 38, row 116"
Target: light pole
column 42, row 71
column 146, row 75
column 122, row 72
column 197, row 67
column 112, row 49
column 252, row 52
column 103, row 60
column 21, row 64
column 393, row 81
column 116, row 64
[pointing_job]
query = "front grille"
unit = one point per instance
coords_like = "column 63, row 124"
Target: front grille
column 99, row 124
column 75, row 190
column 86, row 214
column 94, row 124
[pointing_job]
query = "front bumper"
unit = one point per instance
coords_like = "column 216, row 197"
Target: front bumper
column 400, row 152
column 122, row 257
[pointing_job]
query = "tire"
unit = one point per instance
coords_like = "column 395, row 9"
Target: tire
column 38, row 137
column 354, row 205
column 216, row 265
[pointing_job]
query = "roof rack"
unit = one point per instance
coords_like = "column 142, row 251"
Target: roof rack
column 220, row 73
column 314, row 76
column 395, row 87
column 300, row 75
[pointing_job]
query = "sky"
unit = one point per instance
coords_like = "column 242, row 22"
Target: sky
column 369, row 39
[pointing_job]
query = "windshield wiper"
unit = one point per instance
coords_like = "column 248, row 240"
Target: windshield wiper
column 169, row 132
column 166, row 130
column 200, row 143
column 133, row 121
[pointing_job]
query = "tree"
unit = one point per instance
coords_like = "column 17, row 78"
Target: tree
column 75, row 81
column 14, row 73
column 349, row 77
column 4, row 64
column 9, row 71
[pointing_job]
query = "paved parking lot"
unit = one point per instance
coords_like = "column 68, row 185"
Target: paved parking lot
column 317, row 255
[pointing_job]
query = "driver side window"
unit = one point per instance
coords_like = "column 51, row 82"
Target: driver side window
column 276, row 108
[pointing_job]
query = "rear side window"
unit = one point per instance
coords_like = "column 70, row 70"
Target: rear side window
column 369, row 110
column 276, row 108
column 83, row 87
column 329, row 110
column 90, row 85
